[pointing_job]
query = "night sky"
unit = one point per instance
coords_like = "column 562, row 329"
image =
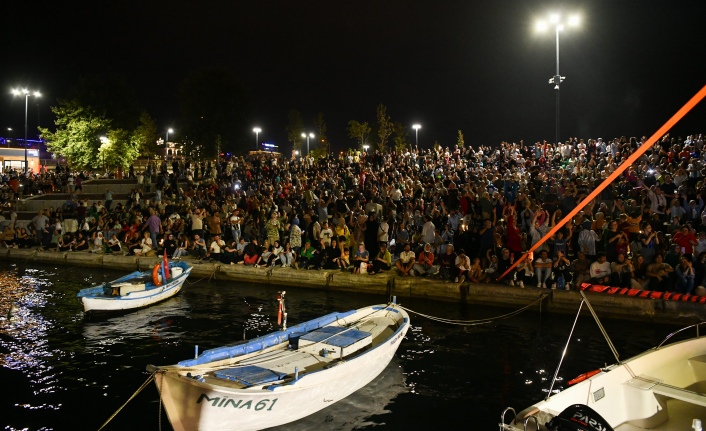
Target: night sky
column 478, row 66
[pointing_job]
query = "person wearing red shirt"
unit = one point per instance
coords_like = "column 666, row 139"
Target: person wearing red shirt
column 685, row 240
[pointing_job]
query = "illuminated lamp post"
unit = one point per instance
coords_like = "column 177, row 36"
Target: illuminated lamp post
column 416, row 128
column 257, row 131
column 555, row 20
column 310, row 135
column 26, row 94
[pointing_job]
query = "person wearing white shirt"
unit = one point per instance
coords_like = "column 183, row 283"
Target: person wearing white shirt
column 215, row 249
column 383, row 230
column 326, row 234
column 600, row 270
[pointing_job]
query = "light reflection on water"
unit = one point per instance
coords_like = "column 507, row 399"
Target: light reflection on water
column 62, row 367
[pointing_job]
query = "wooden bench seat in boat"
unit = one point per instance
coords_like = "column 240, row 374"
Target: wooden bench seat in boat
column 250, row 375
column 127, row 287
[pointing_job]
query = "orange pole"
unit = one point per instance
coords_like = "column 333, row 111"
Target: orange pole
column 613, row 176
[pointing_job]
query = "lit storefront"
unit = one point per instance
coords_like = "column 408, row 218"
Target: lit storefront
column 14, row 158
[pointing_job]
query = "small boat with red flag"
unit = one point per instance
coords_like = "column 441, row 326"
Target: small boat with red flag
column 136, row 290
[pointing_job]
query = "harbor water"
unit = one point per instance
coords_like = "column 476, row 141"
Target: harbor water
column 63, row 372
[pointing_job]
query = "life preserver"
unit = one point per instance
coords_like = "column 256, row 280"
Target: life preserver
column 166, row 265
column 583, row 377
column 155, row 274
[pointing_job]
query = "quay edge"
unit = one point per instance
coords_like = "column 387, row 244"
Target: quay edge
column 386, row 284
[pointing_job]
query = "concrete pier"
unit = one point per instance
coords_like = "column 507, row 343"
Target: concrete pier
column 388, row 283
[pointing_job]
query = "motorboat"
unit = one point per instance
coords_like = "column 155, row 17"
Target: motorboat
column 662, row 389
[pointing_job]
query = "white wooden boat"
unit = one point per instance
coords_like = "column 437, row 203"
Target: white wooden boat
column 283, row 376
column 135, row 290
column 662, row 389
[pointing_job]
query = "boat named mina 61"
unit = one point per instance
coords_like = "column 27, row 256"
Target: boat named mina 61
column 282, row 376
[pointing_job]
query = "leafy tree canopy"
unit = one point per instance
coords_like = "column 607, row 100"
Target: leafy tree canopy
column 320, row 124
column 145, row 136
column 88, row 140
column 400, row 138
column 295, row 128
column 77, row 136
column 385, row 127
column 359, row 131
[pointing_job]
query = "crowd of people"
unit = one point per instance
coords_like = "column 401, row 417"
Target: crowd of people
column 455, row 214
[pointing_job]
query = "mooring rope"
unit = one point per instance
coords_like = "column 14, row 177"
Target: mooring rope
column 144, row 385
column 475, row 322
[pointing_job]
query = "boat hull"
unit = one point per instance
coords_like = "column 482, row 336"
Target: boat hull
column 93, row 305
column 660, row 389
column 94, row 301
column 194, row 405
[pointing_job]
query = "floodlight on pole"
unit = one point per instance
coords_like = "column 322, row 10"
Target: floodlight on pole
column 166, row 144
column 26, row 93
column 416, row 128
column 257, row 131
column 556, row 20
column 307, row 136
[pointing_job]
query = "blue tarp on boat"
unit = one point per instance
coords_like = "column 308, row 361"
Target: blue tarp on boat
column 250, row 375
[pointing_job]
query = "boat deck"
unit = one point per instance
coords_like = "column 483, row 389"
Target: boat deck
column 314, row 351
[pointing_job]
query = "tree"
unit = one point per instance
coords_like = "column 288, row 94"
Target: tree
column 295, row 127
column 358, row 131
column 461, row 143
column 77, row 136
column 320, row 125
column 145, row 136
column 400, row 138
column 384, row 127
column 120, row 150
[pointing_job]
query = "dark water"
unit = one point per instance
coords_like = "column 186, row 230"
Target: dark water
column 60, row 372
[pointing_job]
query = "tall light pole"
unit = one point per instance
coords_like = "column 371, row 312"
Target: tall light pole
column 166, row 145
column 310, row 135
column 9, row 136
column 26, row 93
column 416, row 128
column 257, row 131
column 555, row 19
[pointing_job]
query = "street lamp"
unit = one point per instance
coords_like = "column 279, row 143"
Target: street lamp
column 166, row 145
column 257, row 131
column 310, row 135
column 26, row 93
column 365, row 148
column 9, row 136
column 556, row 20
column 416, row 128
